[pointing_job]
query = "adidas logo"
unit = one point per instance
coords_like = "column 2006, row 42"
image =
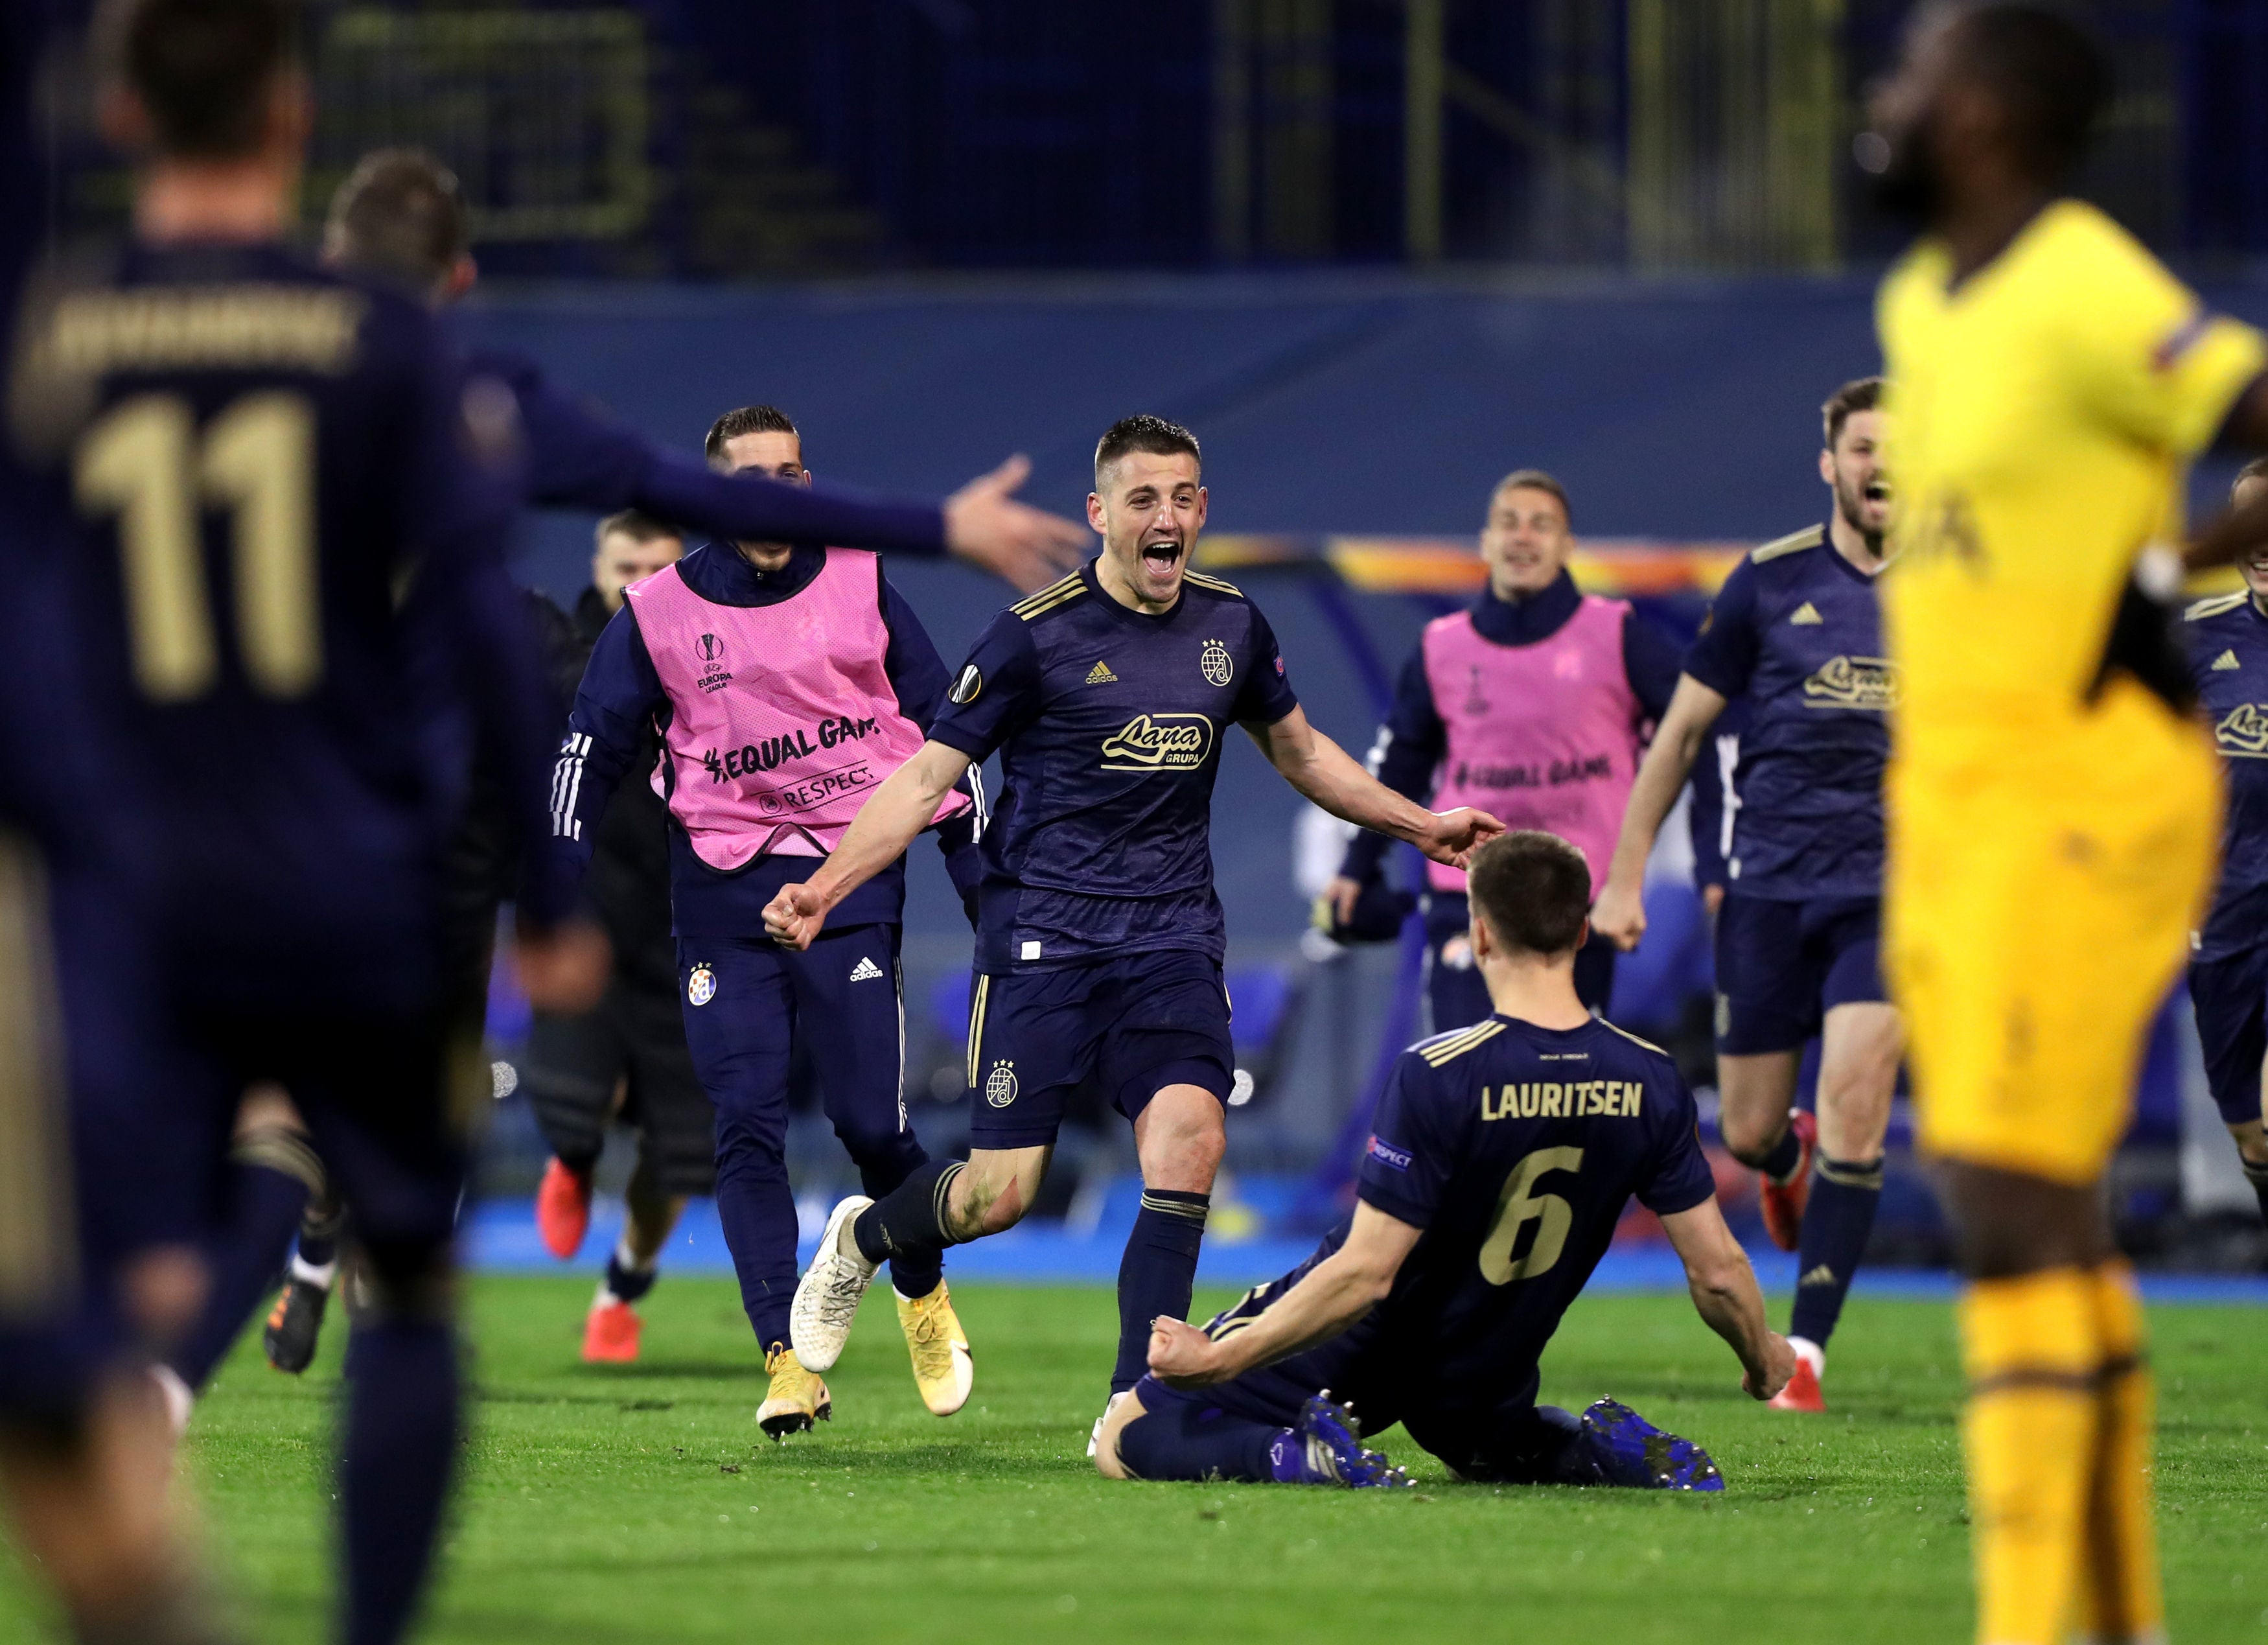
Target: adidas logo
column 865, row 971
column 1821, row 1275
column 1101, row 674
column 2226, row 661
column 1806, row 613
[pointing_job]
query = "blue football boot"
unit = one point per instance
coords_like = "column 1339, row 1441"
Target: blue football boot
column 1325, row 1449
column 1631, row 1451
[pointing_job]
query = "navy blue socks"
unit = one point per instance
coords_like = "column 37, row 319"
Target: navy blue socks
column 1187, row 1441
column 915, row 1270
column 1780, row 1163
column 625, row 1282
column 911, row 1218
column 267, row 1189
column 400, row 1449
column 1836, row 1221
column 1157, row 1274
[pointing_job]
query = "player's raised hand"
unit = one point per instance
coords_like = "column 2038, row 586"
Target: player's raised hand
column 1778, row 1366
column 1455, row 835
column 793, row 917
column 562, row 968
column 1619, row 915
column 1182, row 1356
column 986, row 526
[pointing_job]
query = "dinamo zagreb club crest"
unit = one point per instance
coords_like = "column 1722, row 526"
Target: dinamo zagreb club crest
column 1215, row 663
column 1000, row 1084
column 701, row 986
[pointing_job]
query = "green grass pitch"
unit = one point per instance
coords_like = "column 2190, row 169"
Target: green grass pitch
column 640, row 1503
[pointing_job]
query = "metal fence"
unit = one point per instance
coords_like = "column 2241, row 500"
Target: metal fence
column 677, row 137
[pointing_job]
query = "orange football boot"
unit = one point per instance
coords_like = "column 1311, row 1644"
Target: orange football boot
column 563, row 1209
column 1783, row 1203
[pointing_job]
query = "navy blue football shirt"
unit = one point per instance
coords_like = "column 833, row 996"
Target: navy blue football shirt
column 1515, row 1148
column 2228, row 655
column 1108, row 722
column 290, row 575
column 1798, row 630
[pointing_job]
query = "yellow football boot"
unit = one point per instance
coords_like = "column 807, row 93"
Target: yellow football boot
column 942, row 1369
column 796, row 1399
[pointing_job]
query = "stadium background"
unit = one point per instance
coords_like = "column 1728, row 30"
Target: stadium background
column 1376, row 252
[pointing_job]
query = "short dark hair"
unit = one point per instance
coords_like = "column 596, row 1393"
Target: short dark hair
column 400, row 212
column 1534, row 889
column 2046, row 68
column 203, row 68
column 1536, row 480
column 1143, row 432
column 745, row 420
column 638, row 526
column 1861, row 394
column 2255, row 469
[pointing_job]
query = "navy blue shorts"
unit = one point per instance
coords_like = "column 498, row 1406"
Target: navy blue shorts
column 1126, row 1028
column 1782, row 967
column 2231, row 997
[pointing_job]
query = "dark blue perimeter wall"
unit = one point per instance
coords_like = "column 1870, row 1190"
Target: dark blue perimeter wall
column 1344, row 404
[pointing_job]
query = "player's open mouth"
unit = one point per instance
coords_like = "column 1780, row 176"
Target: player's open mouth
column 1161, row 556
column 1877, row 491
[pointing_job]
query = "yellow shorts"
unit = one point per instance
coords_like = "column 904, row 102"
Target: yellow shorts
column 2036, row 911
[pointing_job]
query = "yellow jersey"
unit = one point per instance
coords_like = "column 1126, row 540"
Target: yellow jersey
column 2042, row 417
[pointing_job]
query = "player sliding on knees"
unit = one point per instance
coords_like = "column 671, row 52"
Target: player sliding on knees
column 1797, row 630
column 1099, row 938
column 1504, row 1155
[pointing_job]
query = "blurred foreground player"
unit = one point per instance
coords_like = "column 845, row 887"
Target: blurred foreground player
column 1796, row 631
column 1534, row 701
column 787, row 682
column 1100, row 939
column 625, row 1057
column 2228, row 954
column 2053, row 802
column 1503, row 1157
column 289, row 564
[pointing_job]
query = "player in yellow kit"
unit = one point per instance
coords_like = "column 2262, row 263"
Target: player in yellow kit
column 2053, row 807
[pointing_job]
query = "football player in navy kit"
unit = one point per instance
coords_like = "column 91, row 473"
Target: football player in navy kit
column 2228, row 963
column 1797, row 630
column 1504, row 1155
column 1100, row 940
column 289, row 566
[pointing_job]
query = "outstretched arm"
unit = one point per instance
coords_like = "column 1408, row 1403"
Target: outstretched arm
column 1332, row 1295
column 1619, row 912
column 1329, row 776
column 1725, row 1294
column 878, row 837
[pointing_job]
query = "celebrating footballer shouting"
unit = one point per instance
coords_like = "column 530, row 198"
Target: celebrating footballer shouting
column 1099, row 939
column 1797, row 632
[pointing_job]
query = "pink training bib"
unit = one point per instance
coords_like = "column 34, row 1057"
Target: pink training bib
column 1544, row 736
column 783, row 719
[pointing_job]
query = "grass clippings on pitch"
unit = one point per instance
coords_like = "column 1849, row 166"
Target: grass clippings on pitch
column 640, row 1503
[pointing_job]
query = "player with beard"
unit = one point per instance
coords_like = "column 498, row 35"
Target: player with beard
column 1797, row 630
column 1432, row 1305
column 1100, row 941
column 786, row 682
column 2052, row 798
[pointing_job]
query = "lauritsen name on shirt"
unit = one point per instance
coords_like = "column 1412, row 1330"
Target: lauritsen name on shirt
column 1574, row 1100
